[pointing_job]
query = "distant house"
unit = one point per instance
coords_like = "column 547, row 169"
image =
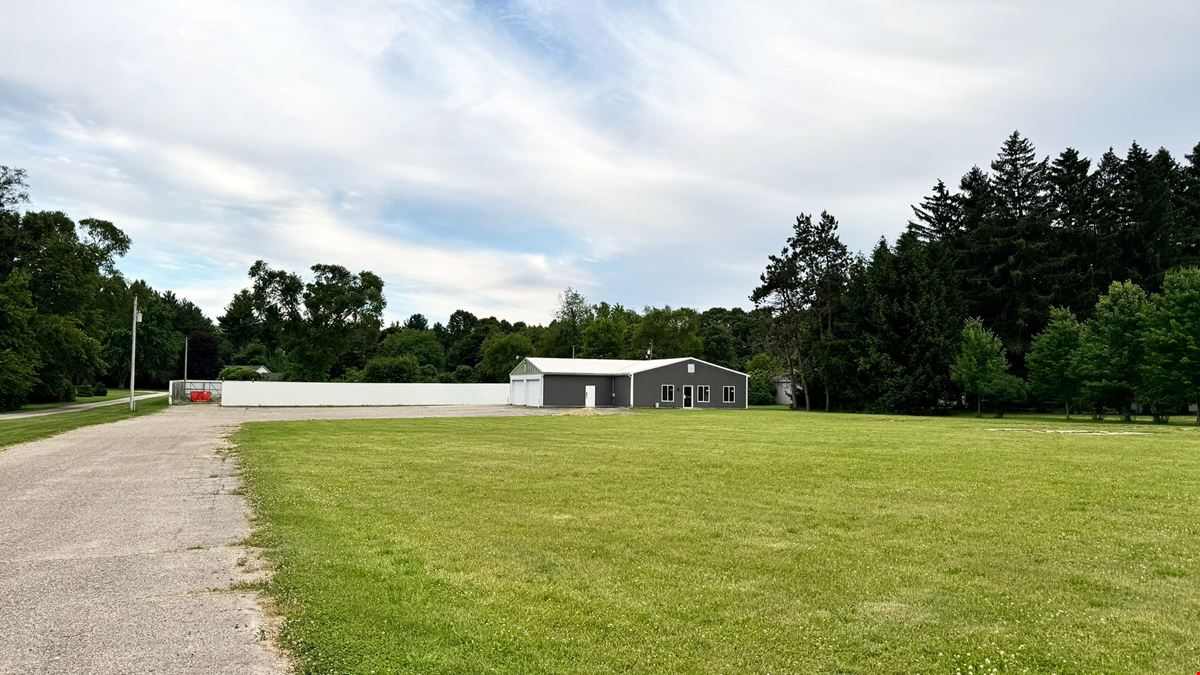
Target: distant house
column 620, row 383
column 264, row 371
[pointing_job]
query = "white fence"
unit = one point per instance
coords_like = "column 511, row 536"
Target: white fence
column 272, row 394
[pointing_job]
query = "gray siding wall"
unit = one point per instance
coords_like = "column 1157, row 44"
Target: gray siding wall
column 567, row 390
column 647, row 386
column 621, row 389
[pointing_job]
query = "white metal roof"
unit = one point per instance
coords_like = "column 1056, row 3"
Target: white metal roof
column 553, row 366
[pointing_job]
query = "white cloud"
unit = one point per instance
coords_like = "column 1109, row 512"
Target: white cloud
column 626, row 133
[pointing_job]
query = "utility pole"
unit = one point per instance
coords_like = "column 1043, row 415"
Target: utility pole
column 137, row 316
column 185, row 357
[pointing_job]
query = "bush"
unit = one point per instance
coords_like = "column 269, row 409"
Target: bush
column 240, row 373
column 762, row 388
column 99, row 389
column 391, row 369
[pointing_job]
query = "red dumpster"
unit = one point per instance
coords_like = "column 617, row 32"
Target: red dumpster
column 197, row 396
column 207, row 396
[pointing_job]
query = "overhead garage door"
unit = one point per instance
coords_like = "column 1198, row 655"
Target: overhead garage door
column 516, row 393
column 533, row 395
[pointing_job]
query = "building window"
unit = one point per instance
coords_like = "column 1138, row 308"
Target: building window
column 691, row 368
column 668, row 393
column 728, row 394
column 702, row 393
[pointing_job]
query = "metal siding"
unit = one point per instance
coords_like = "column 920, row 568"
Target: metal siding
column 621, row 389
column 252, row 394
column 567, row 390
column 646, row 386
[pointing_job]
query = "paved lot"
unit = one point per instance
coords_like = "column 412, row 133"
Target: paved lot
column 119, row 545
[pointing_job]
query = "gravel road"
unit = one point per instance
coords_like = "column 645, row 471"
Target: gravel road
column 119, row 545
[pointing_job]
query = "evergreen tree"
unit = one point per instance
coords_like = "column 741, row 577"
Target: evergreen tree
column 1076, row 279
column 1008, row 250
column 939, row 217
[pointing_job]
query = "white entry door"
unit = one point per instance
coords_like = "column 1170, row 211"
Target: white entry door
column 687, row 395
column 589, row 396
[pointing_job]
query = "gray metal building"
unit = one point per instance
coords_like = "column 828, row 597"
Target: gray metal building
column 602, row 383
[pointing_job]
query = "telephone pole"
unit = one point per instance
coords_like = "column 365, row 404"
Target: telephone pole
column 133, row 355
column 185, row 357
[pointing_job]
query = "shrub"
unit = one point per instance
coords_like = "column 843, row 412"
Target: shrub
column 240, row 373
column 391, row 369
column 99, row 389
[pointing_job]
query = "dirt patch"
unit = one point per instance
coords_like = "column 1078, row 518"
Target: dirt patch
column 1075, row 432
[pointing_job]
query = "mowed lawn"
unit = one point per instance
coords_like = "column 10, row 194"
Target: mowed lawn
column 26, row 429
column 742, row 541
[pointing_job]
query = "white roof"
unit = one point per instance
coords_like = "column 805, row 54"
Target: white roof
column 552, row 366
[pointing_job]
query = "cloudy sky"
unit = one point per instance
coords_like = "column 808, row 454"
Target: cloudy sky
column 486, row 155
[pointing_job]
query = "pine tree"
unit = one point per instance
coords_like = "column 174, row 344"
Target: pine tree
column 939, row 217
column 1076, row 279
column 1008, row 253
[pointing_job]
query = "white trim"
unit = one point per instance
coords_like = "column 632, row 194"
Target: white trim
column 683, row 397
column 631, row 390
column 662, row 388
column 731, row 370
column 746, row 401
column 707, row 394
column 725, row 388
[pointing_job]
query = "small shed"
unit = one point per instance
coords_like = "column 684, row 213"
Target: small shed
column 624, row 383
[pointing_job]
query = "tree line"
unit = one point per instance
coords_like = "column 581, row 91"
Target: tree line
column 307, row 331
column 66, row 309
column 1009, row 254
column 1039, row 282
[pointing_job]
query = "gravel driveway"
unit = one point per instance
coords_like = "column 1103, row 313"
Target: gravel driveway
column 119, row 545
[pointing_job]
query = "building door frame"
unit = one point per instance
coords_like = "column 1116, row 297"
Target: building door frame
column 589, row 396
column 689, row 393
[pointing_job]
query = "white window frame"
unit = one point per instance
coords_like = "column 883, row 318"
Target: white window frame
column 663, row 391
column 729, row 394
column 706, row 396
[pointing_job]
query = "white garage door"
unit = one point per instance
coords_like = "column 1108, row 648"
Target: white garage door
column 533, row 396
column 516, row 393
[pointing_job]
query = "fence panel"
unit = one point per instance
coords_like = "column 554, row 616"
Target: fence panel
column 281, row 394
column 181, row 390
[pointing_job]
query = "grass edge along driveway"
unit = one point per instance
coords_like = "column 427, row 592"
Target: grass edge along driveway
column 26, row 429
column 762, row 541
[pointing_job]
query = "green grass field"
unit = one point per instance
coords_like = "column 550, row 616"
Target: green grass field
column 743, row 541
column 22, row 430
column 113, row 395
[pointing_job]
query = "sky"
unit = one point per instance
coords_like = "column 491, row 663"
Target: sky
column 485, row 155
